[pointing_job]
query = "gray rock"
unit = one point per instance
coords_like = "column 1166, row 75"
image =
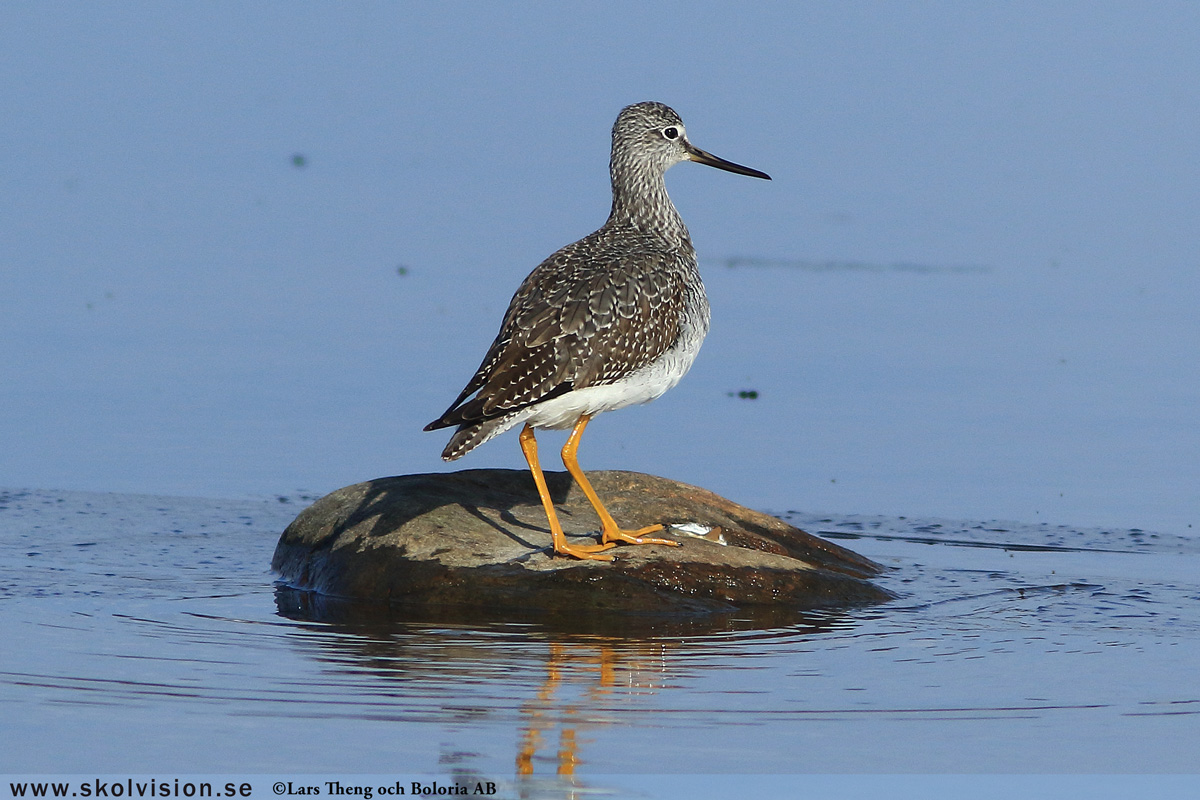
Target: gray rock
column 479, row 538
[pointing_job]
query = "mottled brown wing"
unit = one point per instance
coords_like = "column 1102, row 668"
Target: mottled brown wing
column 634, row 316
column 580, row 319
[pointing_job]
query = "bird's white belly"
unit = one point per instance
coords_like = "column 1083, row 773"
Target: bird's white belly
column 640, row 386
column 648, row 383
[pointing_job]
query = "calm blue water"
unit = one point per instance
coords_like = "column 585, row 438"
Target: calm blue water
column 146, row 636
column 188, row 312
column 249, row 252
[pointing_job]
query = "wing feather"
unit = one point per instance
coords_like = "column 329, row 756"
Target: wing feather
column 587, row 316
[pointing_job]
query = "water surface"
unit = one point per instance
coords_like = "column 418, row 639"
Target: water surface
column 969, row 291
column 250, row 253
column 1009, row 649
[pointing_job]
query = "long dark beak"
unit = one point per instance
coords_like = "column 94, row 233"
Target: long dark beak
column 701, row 157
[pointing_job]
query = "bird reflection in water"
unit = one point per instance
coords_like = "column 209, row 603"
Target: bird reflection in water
column 601, row 662
column 448, row 666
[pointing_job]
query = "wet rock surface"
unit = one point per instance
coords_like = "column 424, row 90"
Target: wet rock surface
column 480, row 538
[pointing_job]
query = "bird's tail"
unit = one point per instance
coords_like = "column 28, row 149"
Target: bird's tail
column 468, row 437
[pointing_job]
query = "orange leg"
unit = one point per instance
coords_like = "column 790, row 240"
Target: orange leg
column 567, row 758
column 612, row 532
column 529, row 448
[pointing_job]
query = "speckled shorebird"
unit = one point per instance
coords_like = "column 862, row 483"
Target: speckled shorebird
column 614, row 319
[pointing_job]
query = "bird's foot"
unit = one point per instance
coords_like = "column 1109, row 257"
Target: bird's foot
column 587, row 552
column 639, row 536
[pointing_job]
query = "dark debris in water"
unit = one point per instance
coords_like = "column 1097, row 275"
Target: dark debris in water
column 1012, row 536
column 1049, row 548
column 834, row 265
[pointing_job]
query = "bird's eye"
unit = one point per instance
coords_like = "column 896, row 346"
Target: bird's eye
column 670, row 132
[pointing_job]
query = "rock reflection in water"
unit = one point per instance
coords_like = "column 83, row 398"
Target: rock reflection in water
column 576, row 672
